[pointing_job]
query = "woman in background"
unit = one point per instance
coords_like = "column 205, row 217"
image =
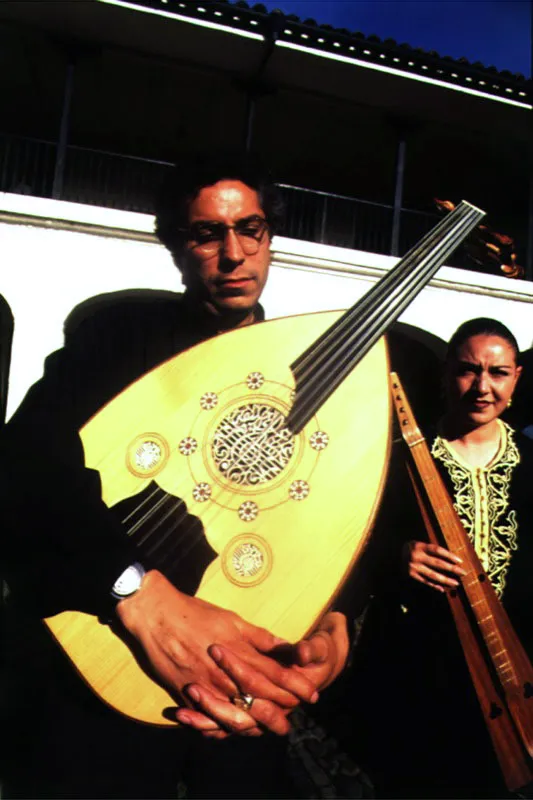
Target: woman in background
column 414, row 718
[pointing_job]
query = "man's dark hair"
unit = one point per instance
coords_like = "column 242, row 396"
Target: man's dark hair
column 481, row 326
column 186, row 179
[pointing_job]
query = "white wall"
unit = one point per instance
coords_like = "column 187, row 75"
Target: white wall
column 46, row 270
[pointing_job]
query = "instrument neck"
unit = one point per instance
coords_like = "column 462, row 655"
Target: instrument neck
column 324, row 365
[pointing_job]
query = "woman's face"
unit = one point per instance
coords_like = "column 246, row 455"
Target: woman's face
column 481, row 379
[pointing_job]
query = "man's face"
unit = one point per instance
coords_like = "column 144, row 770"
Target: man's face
column 227, row 255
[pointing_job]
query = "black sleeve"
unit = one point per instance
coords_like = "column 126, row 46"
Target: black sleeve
column 60, row 547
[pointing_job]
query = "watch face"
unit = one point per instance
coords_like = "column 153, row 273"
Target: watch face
column 129, row 582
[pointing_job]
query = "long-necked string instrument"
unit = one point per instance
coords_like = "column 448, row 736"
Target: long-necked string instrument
column 250, row 467
column 501, row 672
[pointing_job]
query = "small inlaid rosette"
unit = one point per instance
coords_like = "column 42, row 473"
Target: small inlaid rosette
column 146, row 455
column 247, row 560
column 255, row 380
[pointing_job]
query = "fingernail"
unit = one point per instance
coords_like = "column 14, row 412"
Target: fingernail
column 215, row 653
column 193, row 693
column 183, row 717
column 314, row 697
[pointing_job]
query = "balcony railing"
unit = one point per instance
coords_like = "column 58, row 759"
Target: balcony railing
column 112, row 180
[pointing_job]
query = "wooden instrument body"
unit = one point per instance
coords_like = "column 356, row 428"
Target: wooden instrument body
column 289, row 522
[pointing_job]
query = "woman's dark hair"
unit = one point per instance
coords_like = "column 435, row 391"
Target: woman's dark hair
column 481, row 326
column 186, row 179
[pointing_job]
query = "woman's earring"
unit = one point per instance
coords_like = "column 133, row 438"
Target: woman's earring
column 510, row 402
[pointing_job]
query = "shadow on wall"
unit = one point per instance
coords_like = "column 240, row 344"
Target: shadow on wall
column 520, row 415
column 418, row 357
column 93, row 305
column 6, row 339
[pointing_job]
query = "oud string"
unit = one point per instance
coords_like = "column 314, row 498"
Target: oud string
column 324, row 365
column 188, row 537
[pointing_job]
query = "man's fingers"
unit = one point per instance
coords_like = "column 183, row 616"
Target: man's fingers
column 215, row 717
column 270, row 717
column 265, row 678
column 212, row 713
column 219, row 680
column 261, row 639
column 198, row 721
column 315, row 650
column 216, row 734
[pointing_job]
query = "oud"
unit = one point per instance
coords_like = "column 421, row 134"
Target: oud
column 255, row 461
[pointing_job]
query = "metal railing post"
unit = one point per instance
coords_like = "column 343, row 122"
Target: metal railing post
column 324, row 220
column 61, row 153
column 398, row 198
column 250, row 115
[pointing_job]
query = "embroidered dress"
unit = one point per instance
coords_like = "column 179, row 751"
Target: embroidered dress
column 482, row 500
column 412, row 715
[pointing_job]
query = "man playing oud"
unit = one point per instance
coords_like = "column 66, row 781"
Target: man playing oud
column 63, row 549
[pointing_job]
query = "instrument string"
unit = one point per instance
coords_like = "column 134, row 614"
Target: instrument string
column 172, row 537
column 139, row 526
column 152, row 538
column 360, row 328
column 307, row 359
column 134, row 526
column 385, row 287
column 326, row 363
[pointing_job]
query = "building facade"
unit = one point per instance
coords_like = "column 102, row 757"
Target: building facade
column 101, row 96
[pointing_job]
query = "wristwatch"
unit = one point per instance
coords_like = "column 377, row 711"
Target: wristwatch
column 129, row 582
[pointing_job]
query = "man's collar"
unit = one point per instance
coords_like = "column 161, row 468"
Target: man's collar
column 203, row 317
column 259, row 313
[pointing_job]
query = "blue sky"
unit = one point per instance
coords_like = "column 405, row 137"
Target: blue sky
column 496, row 32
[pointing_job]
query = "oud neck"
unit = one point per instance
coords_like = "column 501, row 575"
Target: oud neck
column 325, row 364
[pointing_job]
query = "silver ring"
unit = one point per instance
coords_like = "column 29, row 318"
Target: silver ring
column 244, row 701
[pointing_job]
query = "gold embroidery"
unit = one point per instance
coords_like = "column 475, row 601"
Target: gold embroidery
column 482, row 502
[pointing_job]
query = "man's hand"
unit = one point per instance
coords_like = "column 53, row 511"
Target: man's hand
column 323, row 656
column 320, row 658
column 433, row 565
column 176, row 630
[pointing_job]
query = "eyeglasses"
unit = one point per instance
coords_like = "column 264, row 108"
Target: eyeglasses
column 208, row 237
